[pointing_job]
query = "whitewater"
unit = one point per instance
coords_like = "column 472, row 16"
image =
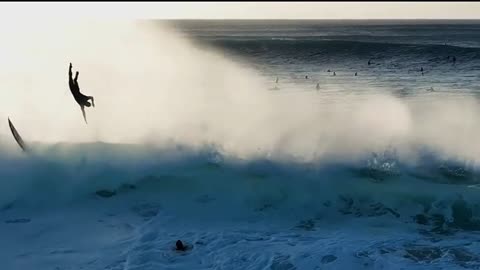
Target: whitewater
column 192, row 139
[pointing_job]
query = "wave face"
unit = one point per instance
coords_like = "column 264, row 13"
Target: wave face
column 64, row 173
column 373, row 171
column 131, row 203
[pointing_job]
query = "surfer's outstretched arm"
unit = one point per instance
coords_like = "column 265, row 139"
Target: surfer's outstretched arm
column 70, row 76
column 83, row 112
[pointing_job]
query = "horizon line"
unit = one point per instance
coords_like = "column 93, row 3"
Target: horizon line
column 314, row 19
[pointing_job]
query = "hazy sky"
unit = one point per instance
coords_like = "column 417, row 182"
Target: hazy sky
column 244, row 10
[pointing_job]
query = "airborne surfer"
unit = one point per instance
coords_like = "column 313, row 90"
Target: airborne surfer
column 80, row 98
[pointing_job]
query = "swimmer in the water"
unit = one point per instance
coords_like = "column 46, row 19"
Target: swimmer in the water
column 318, row 86
column 179, row 246
column 355, row 73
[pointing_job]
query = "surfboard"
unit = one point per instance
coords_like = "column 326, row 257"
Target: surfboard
column 17, row 136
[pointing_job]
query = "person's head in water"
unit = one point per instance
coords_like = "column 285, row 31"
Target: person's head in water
column 180, row 245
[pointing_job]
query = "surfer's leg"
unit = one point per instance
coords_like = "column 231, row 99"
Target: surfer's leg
column 83, row 112
column 93, row 101
column 76, row 77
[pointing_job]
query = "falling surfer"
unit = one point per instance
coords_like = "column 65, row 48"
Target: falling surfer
column 80, row 98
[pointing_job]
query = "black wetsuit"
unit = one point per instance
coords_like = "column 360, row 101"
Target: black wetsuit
column 80, row 98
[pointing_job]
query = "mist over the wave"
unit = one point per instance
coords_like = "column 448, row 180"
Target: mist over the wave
column 152, row 85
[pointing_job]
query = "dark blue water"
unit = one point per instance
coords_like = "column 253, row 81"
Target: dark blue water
column 397, row 51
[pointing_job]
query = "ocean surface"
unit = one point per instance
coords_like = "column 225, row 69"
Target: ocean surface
column 374, row 171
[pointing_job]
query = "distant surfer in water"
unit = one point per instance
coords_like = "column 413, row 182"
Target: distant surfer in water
column 355, row 73
column 318, row 86
column 180, row 246
column 80, row 98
